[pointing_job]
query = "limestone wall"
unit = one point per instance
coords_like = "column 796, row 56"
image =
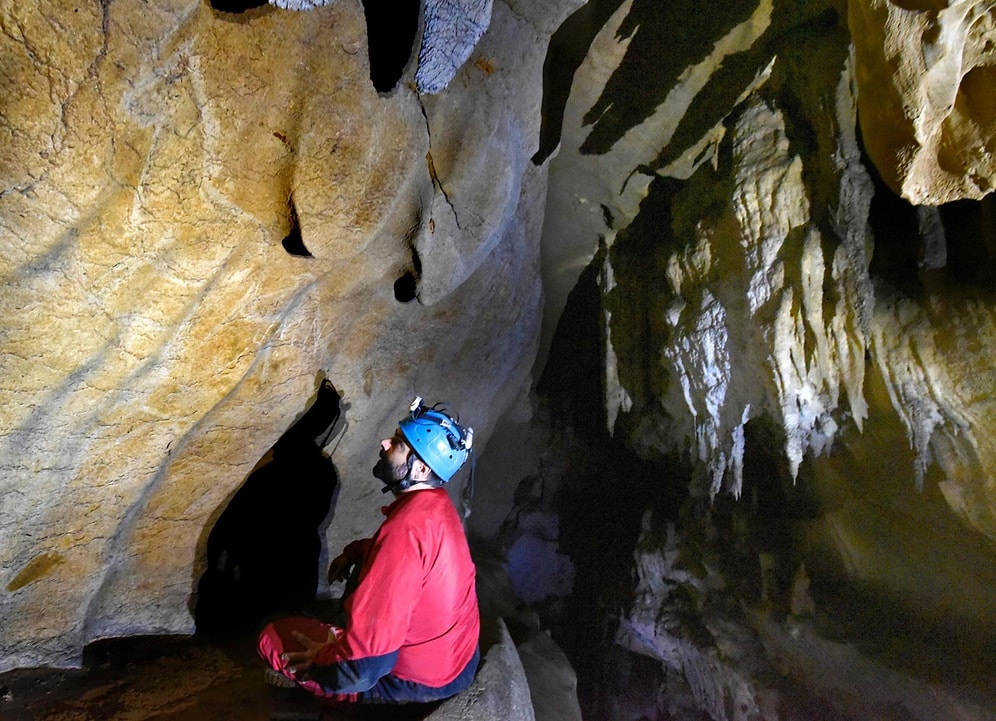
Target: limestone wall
column 926, row 72
column 159, row 334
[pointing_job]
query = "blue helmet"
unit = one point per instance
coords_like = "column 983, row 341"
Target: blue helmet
column 437, row 439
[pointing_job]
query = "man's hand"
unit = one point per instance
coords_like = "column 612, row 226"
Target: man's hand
column 339, row 568
column 300, row 661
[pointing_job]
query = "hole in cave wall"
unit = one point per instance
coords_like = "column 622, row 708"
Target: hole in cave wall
column 263, row 551
column 293, row 242
column 391, row 29
column 405, row 287
column 237, row 6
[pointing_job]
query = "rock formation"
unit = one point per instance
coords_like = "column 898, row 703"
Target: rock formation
column 203, row 213
column 755, row 241
column 927, row 115
column 776, row 317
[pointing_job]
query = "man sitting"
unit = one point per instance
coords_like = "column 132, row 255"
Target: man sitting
column 411, row 624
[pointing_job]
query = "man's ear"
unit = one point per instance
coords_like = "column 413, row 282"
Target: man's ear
column 420, row 470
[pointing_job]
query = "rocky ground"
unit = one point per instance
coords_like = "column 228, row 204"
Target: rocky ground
column 169, row 679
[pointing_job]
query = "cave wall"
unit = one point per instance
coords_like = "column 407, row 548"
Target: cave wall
column 204, row 213
column 930, row 119
column 796, row 327
column 732, row 201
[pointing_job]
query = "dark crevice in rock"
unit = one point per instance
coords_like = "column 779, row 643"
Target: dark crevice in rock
column 894, row 229
column 391, row 29
column 293, row 243
column 970, row 227
column 437, row 182
column 434, row 175
column 236, row 6
column 263, row 551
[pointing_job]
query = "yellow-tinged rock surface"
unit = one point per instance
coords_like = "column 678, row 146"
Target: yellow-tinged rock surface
column 925, row 74
column 157, row 337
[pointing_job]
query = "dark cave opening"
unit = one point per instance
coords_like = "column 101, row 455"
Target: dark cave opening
column 237, row 6
column 391, row 31
column 263, row 551
column 970, row 226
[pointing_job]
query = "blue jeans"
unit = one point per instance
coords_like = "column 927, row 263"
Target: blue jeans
column 391, row 689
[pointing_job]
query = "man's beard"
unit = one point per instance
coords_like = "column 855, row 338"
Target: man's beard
column 388, row 473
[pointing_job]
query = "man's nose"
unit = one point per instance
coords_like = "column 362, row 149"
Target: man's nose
column 385, row 444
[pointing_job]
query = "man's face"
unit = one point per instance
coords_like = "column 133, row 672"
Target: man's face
column 393, row 463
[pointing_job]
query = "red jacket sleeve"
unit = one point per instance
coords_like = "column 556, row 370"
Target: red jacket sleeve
column 379, row 610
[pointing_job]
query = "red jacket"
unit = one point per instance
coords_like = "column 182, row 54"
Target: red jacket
column 416, row 595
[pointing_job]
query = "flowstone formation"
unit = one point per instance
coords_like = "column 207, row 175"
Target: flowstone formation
column 790, row 333
column 203, row 214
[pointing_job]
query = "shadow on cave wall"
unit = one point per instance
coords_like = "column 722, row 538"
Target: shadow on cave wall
column 263, row 552
column 663, row 44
